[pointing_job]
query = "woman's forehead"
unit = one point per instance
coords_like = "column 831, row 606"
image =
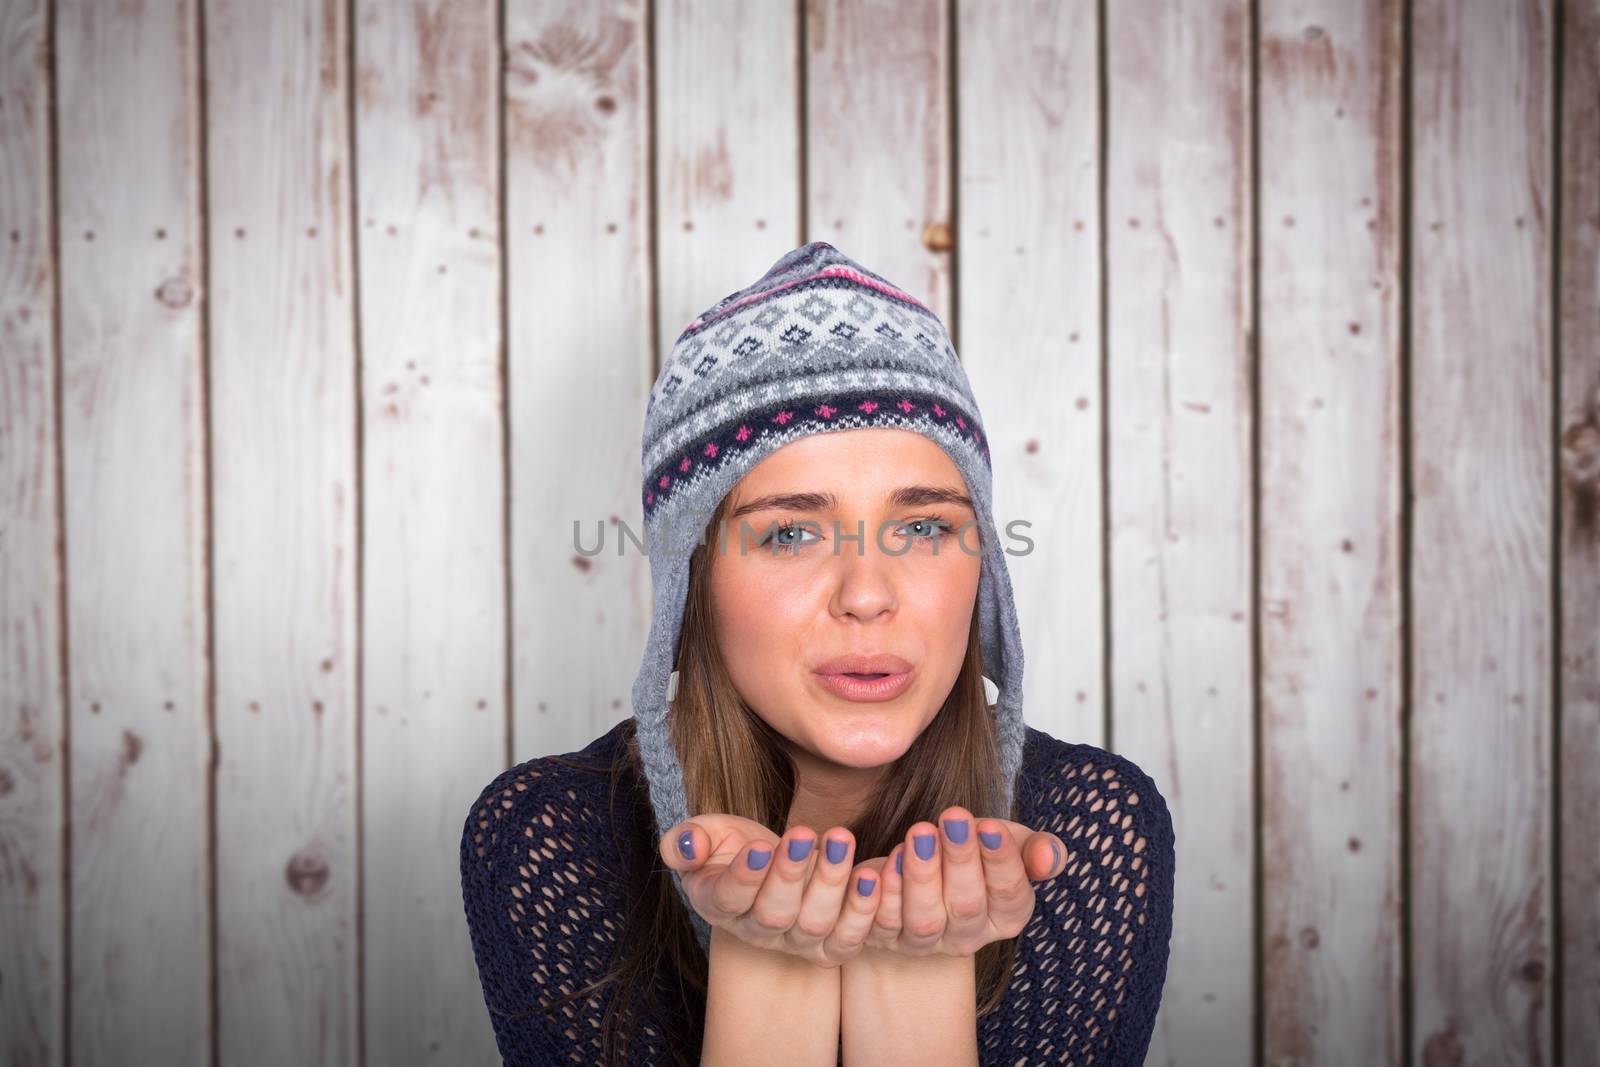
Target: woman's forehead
column 868, row 460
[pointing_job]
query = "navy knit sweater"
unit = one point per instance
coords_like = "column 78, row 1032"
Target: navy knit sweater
column 542, row 882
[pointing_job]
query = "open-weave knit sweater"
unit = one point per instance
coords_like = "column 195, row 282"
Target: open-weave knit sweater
column 542, row 884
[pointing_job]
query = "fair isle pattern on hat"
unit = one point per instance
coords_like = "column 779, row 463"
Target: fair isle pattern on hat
column 788, row 420
column 818, row 344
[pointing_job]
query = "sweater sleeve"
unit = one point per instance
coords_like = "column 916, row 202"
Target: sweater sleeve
column 539, row 899
column 1092, row 961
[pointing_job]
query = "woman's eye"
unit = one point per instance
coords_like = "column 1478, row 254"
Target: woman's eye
column 930, row 529
column 786, row 539
column 782, row 542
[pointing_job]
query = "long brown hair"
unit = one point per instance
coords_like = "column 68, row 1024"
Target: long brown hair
column 734, row 762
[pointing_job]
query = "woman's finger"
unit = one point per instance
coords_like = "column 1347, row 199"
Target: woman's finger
column 922, row 909
column 885, row 932
column 685, row 847
column 824, row 892
column 733, row 889
column 1043, row 853
column 777, row 904
column 1010, row 893
column 862, row 895
column 966, row 890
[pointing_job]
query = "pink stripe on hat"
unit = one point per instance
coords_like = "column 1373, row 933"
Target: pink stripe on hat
column 826, row 272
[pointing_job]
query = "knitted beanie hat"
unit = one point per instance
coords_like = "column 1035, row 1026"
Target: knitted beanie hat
column 817, row 344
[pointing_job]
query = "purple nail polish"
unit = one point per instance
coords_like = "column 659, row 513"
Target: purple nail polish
column 990, row 841
column 864, row 887
column 924, row 845
column 836, row 851
column 758, row 860
column 1057, row 850
column 899, row 862
column 956, row 830
column 686, row 844
column 799, row 848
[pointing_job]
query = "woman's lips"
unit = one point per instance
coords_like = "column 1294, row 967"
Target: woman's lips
column 866, row 690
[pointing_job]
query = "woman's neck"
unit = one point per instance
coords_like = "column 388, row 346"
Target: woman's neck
column 827, row 794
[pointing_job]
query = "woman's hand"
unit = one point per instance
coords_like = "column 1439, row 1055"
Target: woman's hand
column 784, row 893
column 953, row 895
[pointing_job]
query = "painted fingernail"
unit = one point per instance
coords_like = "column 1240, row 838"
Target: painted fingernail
column 758, row 860
column 686, row 844
column 836, row 851
column 1057, row 850
column 899, row 862
column 956, row 830
column 799, row 848
column 924, row 843
column 990, row 840
column 864, row 887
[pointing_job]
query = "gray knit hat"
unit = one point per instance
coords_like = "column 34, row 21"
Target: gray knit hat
column 817, row 344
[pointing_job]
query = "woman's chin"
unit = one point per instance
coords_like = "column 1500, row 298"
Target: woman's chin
column 864, row 745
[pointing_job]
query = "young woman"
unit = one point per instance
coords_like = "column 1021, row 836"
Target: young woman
column 816, row 839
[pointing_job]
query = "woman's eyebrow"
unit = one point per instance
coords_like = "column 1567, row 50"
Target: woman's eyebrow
column 907, row 496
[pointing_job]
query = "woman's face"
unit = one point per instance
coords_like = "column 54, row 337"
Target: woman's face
column 794, row 586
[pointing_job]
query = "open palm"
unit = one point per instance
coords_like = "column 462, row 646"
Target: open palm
column 791, row 894
column 950, row 891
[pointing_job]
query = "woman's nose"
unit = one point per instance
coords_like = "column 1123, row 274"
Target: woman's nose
column 866, row 583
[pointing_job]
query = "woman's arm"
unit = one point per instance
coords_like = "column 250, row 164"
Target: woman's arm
column 766, row 1006
column 895, row 1008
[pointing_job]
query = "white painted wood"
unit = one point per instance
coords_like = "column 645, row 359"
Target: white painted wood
column 133, row 431
column 320, row 434
column 579, row 362
column 433, row 586
column 728, row 151
column 284, row 512
column 1179, row 411
column 32, row 698
column 878, row 146
column 1028, row 254
column 1330, row 524
column 1481, row 473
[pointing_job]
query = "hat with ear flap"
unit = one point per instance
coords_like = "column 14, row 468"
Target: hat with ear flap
column 817, row 344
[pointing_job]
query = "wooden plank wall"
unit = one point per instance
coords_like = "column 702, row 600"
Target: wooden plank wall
column 320, row 329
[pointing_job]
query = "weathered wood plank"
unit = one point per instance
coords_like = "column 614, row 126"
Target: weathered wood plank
column 1178, row 217
column 1578, row 979
column 728, row 130
column 32, row 685
column 1330, row 525
column 1481, row 473
column 578, row 255
column 133, row 431
column 433, row 503
column 878, row 140
column 284, row 509
column 1029, row 286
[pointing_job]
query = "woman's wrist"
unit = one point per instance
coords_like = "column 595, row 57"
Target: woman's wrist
column 899, row 1008
column 763, row 1005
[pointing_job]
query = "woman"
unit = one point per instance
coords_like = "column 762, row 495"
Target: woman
column 773, row 860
